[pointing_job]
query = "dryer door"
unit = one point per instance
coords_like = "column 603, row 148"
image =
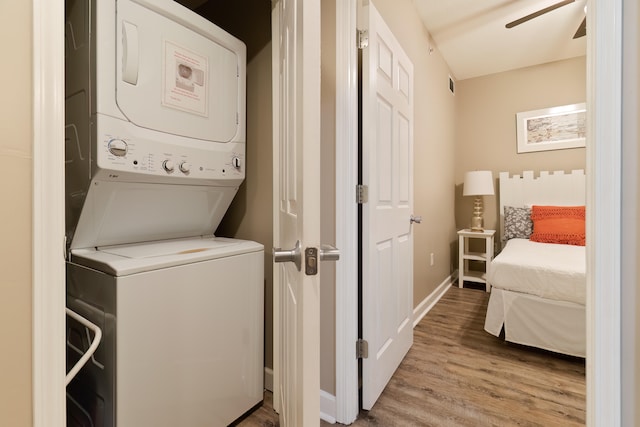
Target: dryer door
column 178, row 73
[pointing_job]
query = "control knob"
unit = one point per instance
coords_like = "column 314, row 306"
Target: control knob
column 117, row 147
column 168, row 166
column 185, row 167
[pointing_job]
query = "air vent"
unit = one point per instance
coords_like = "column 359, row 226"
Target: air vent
column 452, row 85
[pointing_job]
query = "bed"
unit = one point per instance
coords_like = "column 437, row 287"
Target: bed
column 538, row 288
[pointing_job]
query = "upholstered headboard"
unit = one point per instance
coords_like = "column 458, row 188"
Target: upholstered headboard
column 555, row 188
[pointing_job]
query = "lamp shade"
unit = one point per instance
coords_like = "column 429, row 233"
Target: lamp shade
column 478, row 183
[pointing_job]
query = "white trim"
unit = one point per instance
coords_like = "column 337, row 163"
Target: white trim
column 268, row 379
column 346, row 212
column 48, row 215
column 327, row 407
column 275, row 100
column 630, row 166
column 604, row 90
column 430, row 301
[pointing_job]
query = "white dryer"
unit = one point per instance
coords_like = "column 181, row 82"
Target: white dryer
column 155, row 121
column 155, row 153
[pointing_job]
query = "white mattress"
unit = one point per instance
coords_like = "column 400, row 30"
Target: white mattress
column 546, row 270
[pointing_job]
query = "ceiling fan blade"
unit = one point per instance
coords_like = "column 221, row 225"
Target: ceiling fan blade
column 538, row 13
column 582, row 29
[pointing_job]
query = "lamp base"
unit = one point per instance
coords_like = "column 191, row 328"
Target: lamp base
column 477, row 221
column 477, row 224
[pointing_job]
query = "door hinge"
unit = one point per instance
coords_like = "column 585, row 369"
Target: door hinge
column 362, row 193
column 362, row 349
column 363, row 39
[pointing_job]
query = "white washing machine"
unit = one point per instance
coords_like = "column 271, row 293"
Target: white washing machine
column 155, row 152
column 182, row 324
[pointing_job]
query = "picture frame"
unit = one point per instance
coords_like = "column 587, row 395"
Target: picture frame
column 555, row 128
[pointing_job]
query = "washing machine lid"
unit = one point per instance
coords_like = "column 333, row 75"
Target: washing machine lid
column 178, row 73
column 124, row 260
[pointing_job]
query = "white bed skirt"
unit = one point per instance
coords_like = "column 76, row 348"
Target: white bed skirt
column 552, row 325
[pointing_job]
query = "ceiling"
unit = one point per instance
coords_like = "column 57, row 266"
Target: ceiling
column 473, row 40
column 470, row 34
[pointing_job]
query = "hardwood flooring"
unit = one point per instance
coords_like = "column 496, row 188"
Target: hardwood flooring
column 456, row 374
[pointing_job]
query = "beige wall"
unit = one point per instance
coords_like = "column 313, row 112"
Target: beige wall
column 434, row 133
column 486, row 125
column 250, row 216
column 15, row 214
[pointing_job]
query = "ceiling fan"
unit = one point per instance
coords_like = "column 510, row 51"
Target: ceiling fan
column 582, row 29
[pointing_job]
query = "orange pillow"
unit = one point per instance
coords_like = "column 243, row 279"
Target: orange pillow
column 558, row 224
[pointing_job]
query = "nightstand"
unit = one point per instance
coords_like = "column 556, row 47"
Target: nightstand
column 465, row 255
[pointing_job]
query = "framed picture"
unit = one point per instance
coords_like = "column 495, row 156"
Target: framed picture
column 553, row 128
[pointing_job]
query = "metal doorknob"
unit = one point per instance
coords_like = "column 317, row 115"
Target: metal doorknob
column 329, row 253
column 292, row 255
column 417, row 219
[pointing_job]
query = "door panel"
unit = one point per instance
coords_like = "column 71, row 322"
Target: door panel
column 387, row 168
column 296, row 158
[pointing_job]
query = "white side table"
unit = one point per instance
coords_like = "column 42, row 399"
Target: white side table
column 465, row 255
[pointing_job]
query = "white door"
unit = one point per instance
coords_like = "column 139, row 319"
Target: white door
column 387, row 163
column 296, row 160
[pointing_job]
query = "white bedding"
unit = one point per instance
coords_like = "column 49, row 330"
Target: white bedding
column 557, row 326
column 546, row 270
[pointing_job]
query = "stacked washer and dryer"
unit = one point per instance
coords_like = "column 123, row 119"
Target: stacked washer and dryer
column 155, row 152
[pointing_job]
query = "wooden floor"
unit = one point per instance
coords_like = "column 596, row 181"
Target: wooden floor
column 456, row 374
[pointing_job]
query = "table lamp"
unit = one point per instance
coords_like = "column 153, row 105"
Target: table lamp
column 478, row 183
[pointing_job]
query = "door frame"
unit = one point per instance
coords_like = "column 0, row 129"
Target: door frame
column 48, row 264
column 48, row 397
column 604, row 345
column 604, row 226
column 630, row 211
column 347, row 399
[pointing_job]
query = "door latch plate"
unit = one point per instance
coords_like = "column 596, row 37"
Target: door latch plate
column 311, row 261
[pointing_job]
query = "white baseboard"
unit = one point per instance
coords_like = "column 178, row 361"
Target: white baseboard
column 427, row 304
column 268, row 379
column 328, row 407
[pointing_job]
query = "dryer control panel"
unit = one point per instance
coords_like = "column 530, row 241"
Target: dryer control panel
column 121, row 150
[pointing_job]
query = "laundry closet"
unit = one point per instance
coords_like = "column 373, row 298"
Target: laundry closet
column 156, row 151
